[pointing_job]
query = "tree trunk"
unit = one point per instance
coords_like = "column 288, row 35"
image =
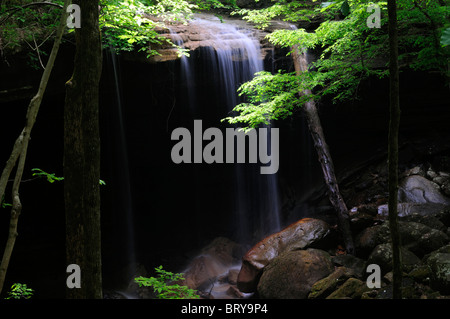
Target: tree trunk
column 20, row 148
column 325, row 159
column 82, row 156
column 394, row 124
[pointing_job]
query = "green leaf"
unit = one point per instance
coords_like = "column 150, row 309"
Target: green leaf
column 165, row 286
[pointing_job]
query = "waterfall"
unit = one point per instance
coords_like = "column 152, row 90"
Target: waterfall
column 231, row 56
column 225, row 56
column 123, row 203
column 187, row 76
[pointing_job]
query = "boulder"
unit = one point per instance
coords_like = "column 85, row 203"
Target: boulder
column 431, row 221
column 418, row 238
column 421, row 239
column 382, row 256
column 407, row 209
column 370, row 237
column 223, row 250
column 420, row 274
column 324, row 287
column 354, row 264
column 418, row 189
column 203, row 271
column 351, row 289
column 292, row 274
column 305, row 233
column 439, row 265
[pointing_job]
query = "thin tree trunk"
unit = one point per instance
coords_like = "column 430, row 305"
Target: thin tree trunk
column 394, row 124
column 326, row 162
column 82, row 156
column 20, row 148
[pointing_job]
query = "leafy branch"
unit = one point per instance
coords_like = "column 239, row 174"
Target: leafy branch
column 166, row 286
column 20, row 291
column 51, row 177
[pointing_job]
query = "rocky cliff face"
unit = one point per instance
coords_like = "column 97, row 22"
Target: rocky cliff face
column 200, row 33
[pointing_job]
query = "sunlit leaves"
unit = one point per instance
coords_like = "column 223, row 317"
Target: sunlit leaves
column 349, row 52
column 166, row 285
column 129, row 25
column 289, row 11
column 51, row 178
column 289, row 38
column 269, row 97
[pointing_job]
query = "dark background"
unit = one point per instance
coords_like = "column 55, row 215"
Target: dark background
column 177, row 209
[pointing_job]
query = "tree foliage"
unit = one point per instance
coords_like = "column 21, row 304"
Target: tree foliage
column 126, row 25
column 20, row 291
column 166, row 285
column 349, row 51
column 28, row 25
column 129, row 25
column 274, row 94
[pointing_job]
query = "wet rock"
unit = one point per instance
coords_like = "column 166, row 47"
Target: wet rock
column 203, row 271
column 421, row 239
column 428, row 220
column 421, row 273
column 382, row 256
column 369, row 238
column 224, row 250
column 356, row 265
column 431, row 174
column 292, row 274
column 406, row 209
column 234, row 293
column 362, row 217
column 208, row 32
column 305, row 233
column 417, row 189
column 439, row 264
column 418, row 238
column 324, row 287
column 417, row 170
column 232, row 276
column 353, row 288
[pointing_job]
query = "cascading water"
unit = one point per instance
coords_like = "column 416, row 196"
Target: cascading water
column 186, row 205
column 123, row 204
column 233, row 55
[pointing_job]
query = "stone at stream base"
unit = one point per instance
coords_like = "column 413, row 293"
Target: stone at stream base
column 416, row 237
column 324, row 287
column 382, row 256
column 418, row 189
column 439, row 265
column 300, row 235
column 408, row 209
column 215, row 260
column 351, row 289
column 292, row 274
column 203, row 271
